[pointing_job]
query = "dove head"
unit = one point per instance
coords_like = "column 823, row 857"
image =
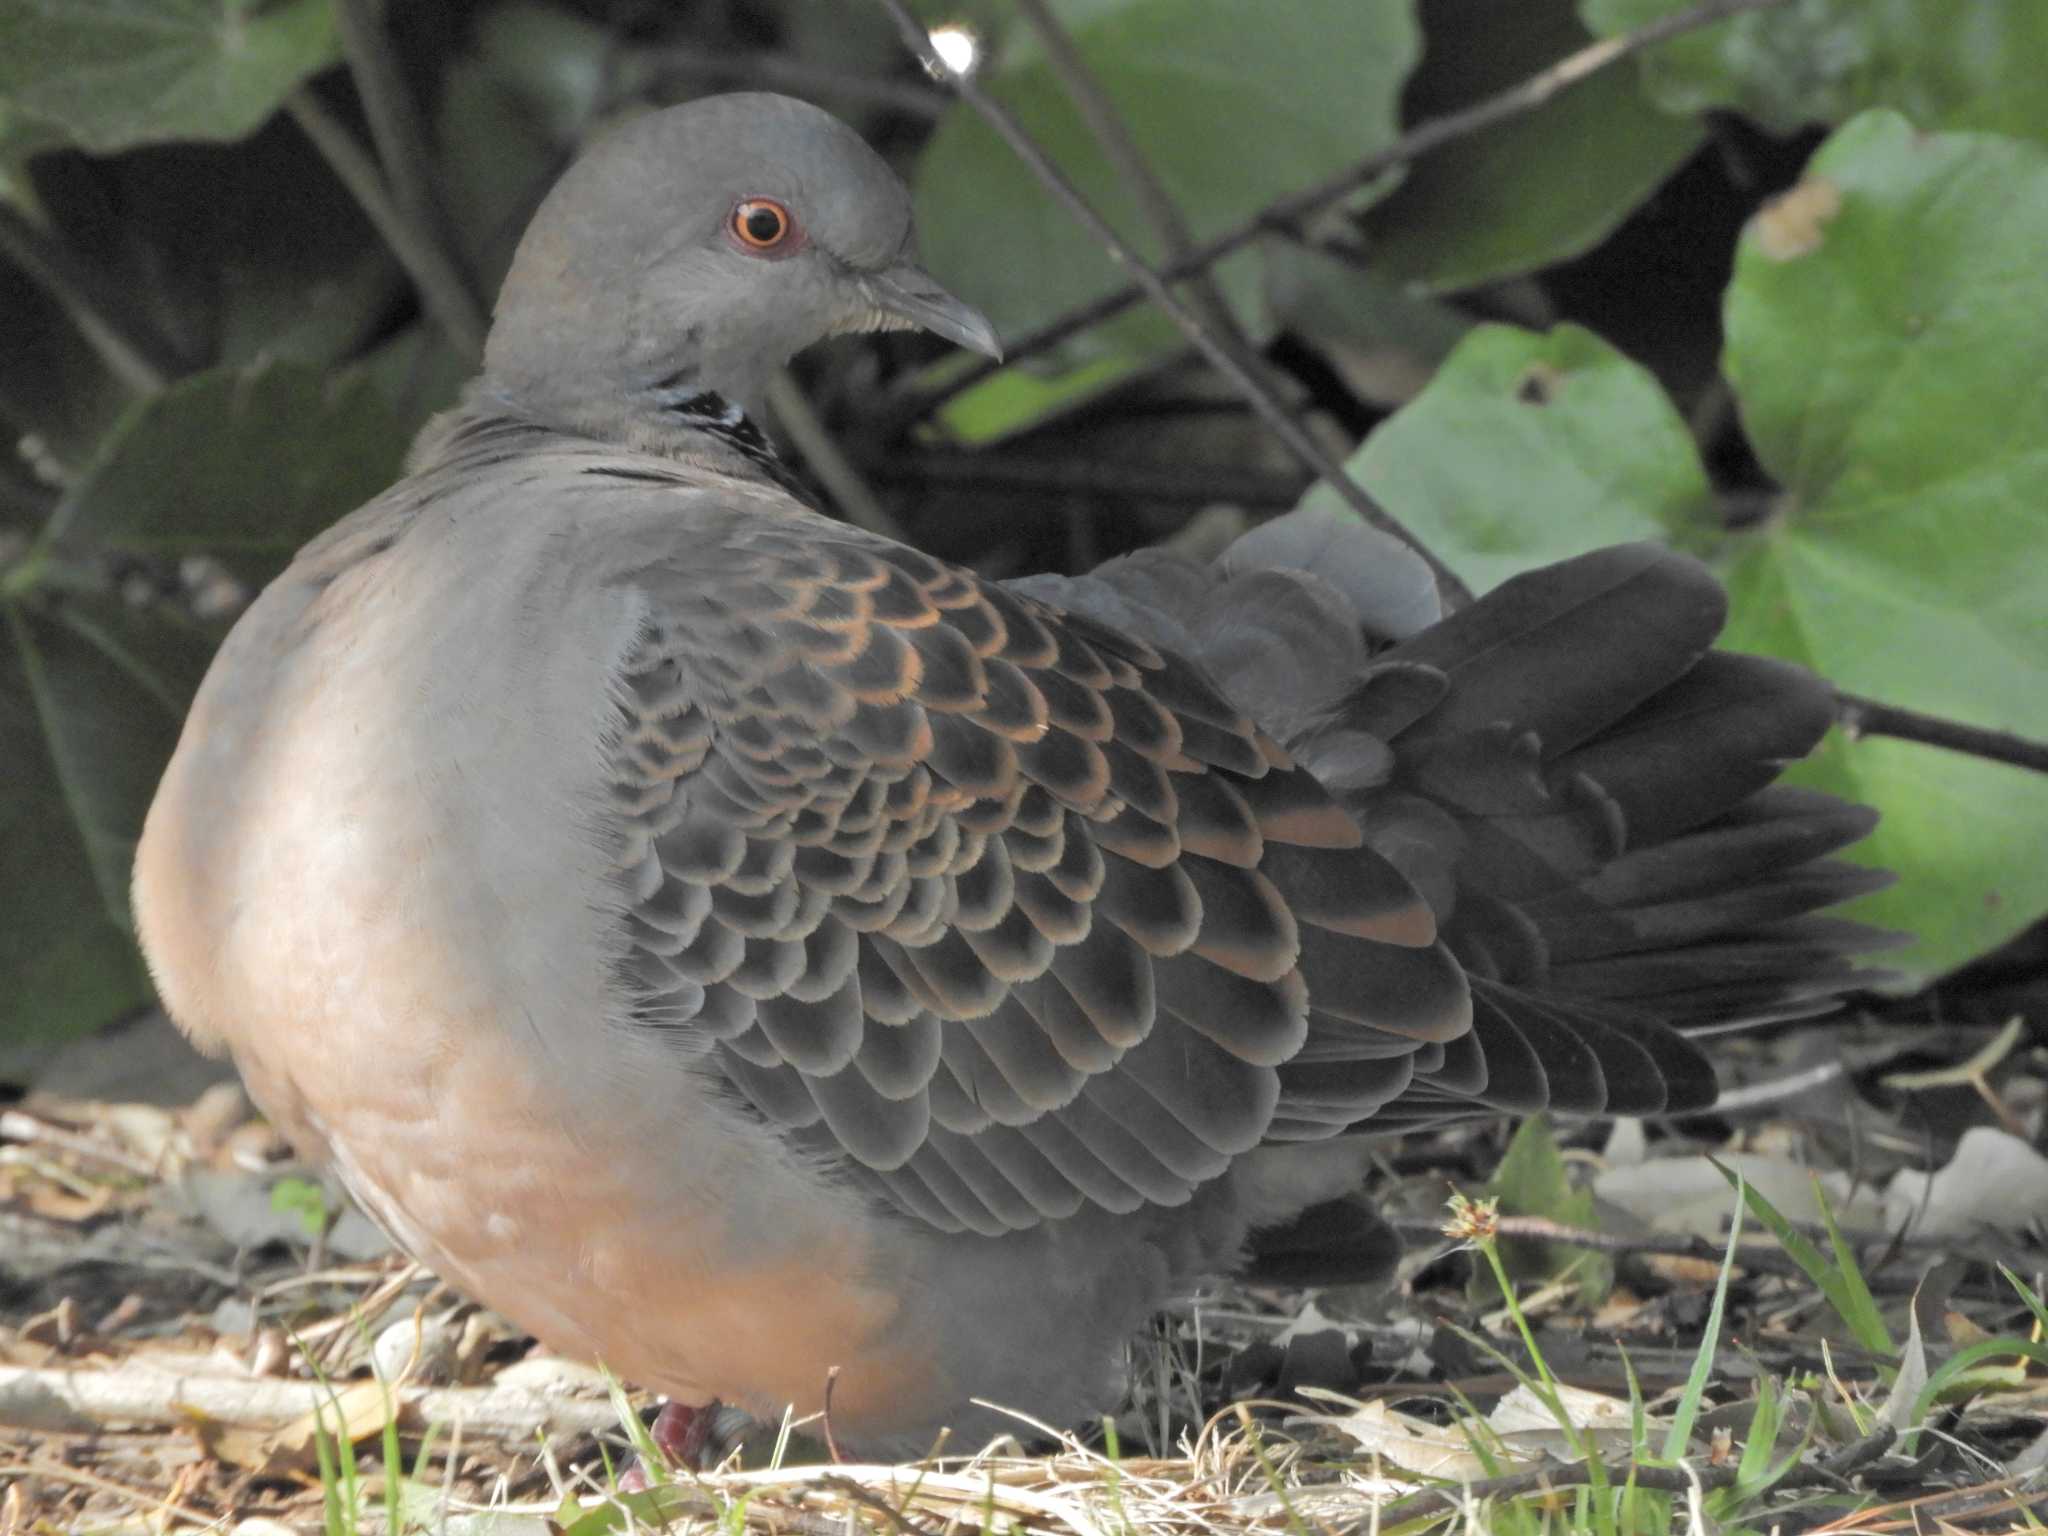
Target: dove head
column 696, row 248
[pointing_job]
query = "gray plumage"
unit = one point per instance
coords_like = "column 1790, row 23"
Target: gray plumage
column 735, row 945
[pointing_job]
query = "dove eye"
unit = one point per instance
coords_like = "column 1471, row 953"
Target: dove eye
column 761, row 226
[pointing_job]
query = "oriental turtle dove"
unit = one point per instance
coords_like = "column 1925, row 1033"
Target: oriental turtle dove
column 735, row 945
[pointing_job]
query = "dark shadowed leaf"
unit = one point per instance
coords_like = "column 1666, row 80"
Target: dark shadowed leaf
column 244, row 464
column 91, row 697
column 1542, row 187
column 511, row 113
column 116, row 73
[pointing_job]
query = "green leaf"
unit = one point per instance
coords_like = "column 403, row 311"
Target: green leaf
column 1944, row 65
column 1529, row 448
column 1679, row 1436
column 22, row 138
column 1535, row 190
column 306, row 1201
column 1531, row 1181
column 92, row 694
column 1885, row 332
column 244, row 464
column 116, row 73
column 1228, row 114
column 1387, row 337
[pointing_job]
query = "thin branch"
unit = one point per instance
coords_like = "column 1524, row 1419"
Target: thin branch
column 843, row 483
column 135, row 351
column 442, row 289
column 1113, row 137
column 1830, row 1471
column 401, row 139
column 1042, row 472
column 1253, row 388
column 71, row 1400
column 1283, row 214
column 1758, row 1256
column 1866, row 717
column 1577, row 1474
column 780, row 72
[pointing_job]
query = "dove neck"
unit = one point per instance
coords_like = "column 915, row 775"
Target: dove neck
column 674, row 413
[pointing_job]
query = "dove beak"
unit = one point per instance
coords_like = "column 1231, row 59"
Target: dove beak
column 910, row 295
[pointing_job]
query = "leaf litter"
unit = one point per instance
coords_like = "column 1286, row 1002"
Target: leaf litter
column 190, row 1323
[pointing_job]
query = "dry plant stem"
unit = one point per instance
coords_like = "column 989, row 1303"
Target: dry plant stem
column 1042, row 473
column 19, row 1125
column 441, row 287
column 898, row 1521
column 1252, row 387
column 1867, row 717
column 775, row 71
column 1754, row 1257
column 825, row 1418
column 1822, row 1472
column 1283, row 214
column 57, row 1472
column 130, row 346
column 835, row 471
column 1113, row 136
column 401, row 140
column 62, row 1401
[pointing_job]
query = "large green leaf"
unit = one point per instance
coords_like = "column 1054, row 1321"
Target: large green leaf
column 1230, row 111
column 1526, row 449
column 1543, row 187
column 116, row 73
column 243, row 464
column 1886, row 329
column 91, row 696
column 1944, row 63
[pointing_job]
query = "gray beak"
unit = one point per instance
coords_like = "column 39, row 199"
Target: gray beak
column 910, row 294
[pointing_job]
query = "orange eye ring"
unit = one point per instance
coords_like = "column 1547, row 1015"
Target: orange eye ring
column 761, row 226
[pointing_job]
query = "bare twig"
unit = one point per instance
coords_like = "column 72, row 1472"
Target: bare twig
column 779, row 71
column 80, row 1401
column 19, row 1125
column 1252, row 387
column 1820, row 1472
column 1757, row 1253
column 131, row 347
column 1283, row 214
column 1577, row 1474
column 1043, row 473
column 1866, row 717
column 57, row 1472
column 442, row 288
column 1113, row 136
column 401, row 139
column 843, row 483
column 825, row 1417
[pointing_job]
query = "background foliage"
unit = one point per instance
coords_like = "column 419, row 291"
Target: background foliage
column 1774, row 291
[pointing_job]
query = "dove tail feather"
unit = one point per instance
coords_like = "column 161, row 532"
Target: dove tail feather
column 1578, row 782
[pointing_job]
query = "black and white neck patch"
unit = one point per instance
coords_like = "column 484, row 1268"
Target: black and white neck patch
column 709, row 412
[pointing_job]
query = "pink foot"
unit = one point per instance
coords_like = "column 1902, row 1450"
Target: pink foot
column 683, row 1435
